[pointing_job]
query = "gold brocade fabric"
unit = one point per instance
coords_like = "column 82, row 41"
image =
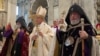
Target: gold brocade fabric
column 57, row 49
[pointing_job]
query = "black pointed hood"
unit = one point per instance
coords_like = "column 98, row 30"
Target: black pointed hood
column 79, row 10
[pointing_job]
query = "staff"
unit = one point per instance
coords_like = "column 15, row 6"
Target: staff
column 82, row 22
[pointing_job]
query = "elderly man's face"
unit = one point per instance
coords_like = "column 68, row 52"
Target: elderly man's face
column 74, row 18
column 55, row 23
column 38, row 20
column 18, row 24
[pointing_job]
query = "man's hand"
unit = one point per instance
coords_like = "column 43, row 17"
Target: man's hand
column 34, row 37
column 41, row 34
column 83, row 34
column 18, row 30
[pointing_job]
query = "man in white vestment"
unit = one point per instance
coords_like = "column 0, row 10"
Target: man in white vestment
column 41, row 36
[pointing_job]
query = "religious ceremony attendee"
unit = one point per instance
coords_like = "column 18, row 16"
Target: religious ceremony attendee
column 21, row 42
column 7, row 34
column 77, row 40
column 41, row 35
column 30, row 27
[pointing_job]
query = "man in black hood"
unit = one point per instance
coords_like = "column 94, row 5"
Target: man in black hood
column 21, row 23
column 21, row 40
column 30, row 27
column 67, row 39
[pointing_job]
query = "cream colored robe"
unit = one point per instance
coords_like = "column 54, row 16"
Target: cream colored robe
column 42, row 44
column 95, row 47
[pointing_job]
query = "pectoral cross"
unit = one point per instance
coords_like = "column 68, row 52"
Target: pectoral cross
column 36, row 33
column 37, row 29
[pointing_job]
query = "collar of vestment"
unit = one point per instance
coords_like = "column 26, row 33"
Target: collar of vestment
column 42, row 23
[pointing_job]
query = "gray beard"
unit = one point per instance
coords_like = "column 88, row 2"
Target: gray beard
column 74, row 22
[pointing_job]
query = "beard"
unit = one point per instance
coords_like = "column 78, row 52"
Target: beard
column 74, row 22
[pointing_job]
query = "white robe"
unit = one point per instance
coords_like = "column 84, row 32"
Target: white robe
column 43, row 44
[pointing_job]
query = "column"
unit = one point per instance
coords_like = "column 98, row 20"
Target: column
column 50, row 12
column 11, row 16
